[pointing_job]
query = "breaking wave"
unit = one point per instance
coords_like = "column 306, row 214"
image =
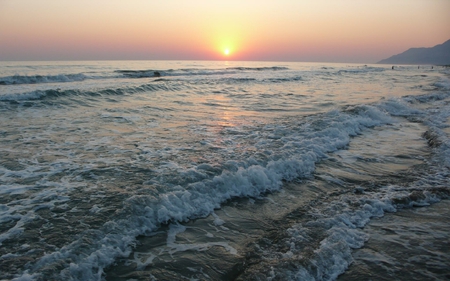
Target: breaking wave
column 37, row 79
column 57, row 93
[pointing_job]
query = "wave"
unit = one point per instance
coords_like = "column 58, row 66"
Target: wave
column 236, row 80
column 154, row 73
column 285, row 79
column 146, row 73
column 170, row 72
column 42, row 95
column 294, row 152
column 208, row 187
column 37, row 79
column 156, row 85
column 211, row 185
column 269, row 68
column 139, row 73
column 340, row 227
column 363, row 69
column 337, row 227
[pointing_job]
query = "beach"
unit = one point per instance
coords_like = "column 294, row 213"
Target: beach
column 213, row 170
column 412, row 244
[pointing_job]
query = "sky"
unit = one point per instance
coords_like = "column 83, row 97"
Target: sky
column 360, row 31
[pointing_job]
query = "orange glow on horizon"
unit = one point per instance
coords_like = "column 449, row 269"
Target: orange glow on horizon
column 285, row 30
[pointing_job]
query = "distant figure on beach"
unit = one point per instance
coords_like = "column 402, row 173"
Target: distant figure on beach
column 392, row 67
column 156, row 74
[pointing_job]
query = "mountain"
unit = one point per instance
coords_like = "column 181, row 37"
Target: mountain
column 439, row 55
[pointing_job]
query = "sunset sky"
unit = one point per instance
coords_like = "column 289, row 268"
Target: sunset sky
column 282, row 30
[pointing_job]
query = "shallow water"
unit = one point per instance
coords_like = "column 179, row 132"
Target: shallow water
column 213, row 171
column 208, row 249
column 411, row 244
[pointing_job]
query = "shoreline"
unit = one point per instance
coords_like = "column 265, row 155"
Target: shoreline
column 411, row 244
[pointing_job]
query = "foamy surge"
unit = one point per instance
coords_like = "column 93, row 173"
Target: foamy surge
column 340, row 221
column 90, row 169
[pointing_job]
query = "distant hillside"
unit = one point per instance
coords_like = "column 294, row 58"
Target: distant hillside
column 439, row 55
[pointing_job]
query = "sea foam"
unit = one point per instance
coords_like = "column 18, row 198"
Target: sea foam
column 144, row 214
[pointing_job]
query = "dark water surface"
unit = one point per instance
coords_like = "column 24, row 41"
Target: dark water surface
column 222, row 171
column 413, row 244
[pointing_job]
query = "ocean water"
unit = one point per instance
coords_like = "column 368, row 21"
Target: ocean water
column 221, row 170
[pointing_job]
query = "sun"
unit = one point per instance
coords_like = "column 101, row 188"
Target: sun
column 226, row 52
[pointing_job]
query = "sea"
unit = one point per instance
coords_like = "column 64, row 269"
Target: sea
column 224, row 170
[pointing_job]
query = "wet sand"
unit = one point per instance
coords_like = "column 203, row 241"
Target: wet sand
column 412, row 244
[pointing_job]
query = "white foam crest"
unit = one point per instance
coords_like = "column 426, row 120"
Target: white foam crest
column 217, row 220
column 45, row 194
column 144, row 214
column 35, row 79
column 26, row 277
column 176, row 72
column 35, row 95
column 23, row 211
column 343, row 224
column 438, row 120
column 18, row 228
column 443, row 84
column 398, row 107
